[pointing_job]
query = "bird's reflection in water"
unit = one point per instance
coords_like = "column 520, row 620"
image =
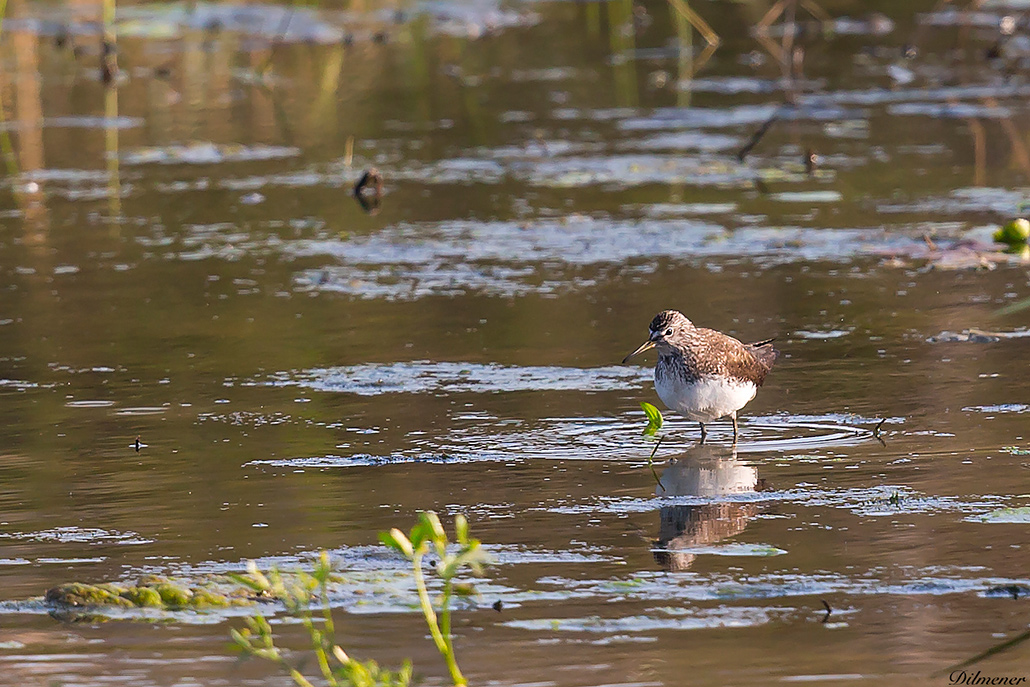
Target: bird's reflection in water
column 708, row 471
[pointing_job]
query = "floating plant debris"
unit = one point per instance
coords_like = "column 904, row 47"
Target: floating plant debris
column 1019, row 515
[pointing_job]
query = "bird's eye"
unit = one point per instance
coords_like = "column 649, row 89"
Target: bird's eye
column 668, row 332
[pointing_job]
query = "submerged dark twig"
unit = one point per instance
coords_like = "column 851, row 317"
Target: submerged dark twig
column 876, row 432
column 996, row 649
column 828, row 611
column 757, row 136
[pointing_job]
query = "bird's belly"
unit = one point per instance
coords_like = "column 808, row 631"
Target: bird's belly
column 705, row 399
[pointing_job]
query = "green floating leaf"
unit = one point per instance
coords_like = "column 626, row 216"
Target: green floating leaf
column 654, row 418
column 1013, row 232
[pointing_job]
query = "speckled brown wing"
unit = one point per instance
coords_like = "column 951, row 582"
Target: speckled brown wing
column 716, row 353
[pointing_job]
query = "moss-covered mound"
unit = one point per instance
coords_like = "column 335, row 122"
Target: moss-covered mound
column 153, row 592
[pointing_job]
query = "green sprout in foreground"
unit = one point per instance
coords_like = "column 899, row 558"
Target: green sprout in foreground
column 297, row 591
column 428, row 535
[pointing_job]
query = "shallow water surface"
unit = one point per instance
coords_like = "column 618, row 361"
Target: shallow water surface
column 211, row 353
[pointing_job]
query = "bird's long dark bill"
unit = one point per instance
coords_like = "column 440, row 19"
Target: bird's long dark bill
column 646, row 346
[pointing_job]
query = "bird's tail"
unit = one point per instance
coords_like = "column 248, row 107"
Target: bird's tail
column 764, row 353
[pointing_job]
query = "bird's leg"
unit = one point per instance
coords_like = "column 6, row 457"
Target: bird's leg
column 704, row 432
column 733, row 416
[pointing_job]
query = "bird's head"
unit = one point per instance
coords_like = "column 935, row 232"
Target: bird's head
column 666, row 332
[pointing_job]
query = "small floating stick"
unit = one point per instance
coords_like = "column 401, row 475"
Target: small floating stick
column 348, row 156
column 996, row 649
column 828, row 611
column 876, row 432
column 876, row 429
column 757, row 136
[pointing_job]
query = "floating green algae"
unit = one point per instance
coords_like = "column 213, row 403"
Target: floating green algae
column 151, row 592
column 174, row 595
column 80, row 594
column 143, row 597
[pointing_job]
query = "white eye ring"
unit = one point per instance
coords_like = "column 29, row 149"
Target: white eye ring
column 668, row 332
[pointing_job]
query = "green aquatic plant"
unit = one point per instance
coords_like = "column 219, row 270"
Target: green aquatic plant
column 428, row 536
column 150, row 592
column 1014, row 232
column 297, row 592
column 654, row 418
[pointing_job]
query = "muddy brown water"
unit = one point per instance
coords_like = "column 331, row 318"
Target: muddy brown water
column 183, row 261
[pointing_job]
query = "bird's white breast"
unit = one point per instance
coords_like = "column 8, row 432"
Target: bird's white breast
column 704, row 399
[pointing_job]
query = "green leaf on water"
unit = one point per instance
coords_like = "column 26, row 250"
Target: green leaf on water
column 654, row 423
column 654, row 418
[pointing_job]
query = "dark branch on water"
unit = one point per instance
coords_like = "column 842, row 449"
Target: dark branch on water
column 996, row 649
column 757, row 136
column 876, row 431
